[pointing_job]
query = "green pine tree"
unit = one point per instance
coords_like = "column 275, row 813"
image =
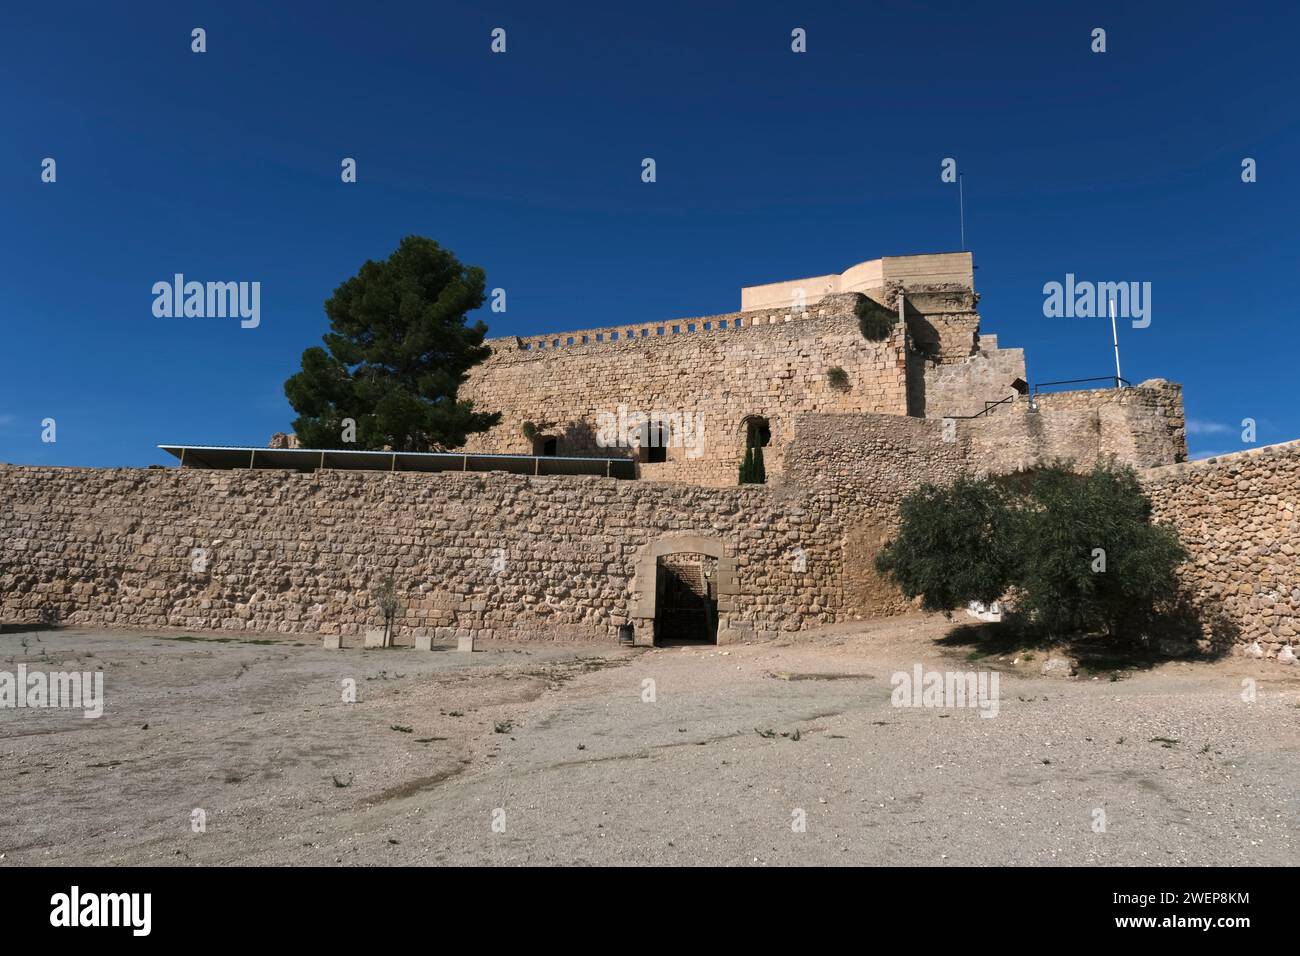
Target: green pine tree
column 396, row 354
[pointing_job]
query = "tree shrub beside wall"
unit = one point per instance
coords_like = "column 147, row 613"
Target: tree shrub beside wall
column 1078, row 554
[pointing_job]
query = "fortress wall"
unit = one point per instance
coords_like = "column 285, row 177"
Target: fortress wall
column 776, row 369
column 963, row 387
column 556, row 557
column 1141, row 426
column 780, row 295
column 869, row 463
column 863, row 466
column 301, row 553
column 1239, row 516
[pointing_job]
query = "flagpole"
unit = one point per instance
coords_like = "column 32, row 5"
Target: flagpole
column 1114, row 335
column 961, row 203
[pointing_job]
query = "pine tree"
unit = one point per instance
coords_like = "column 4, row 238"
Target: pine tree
column 397, row 352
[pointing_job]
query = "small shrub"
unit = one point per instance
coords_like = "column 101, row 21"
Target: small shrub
column 837, row 378
column 875, row 321
column 385, row 599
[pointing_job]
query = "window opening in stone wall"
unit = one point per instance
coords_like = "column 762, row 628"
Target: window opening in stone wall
column 654, row 442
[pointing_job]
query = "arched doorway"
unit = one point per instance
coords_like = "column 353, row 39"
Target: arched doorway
column 686, row 598
column 684, row 591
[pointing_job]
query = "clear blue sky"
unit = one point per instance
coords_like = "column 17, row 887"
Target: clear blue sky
column 771, row 165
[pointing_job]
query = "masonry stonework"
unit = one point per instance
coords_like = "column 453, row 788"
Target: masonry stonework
column 795, row 348
column 477, row 555
column 487, row 554
column 724, row 369
column 1239, row 516
column 1141, row 426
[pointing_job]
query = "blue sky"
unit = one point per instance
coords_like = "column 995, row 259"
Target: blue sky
column 1122, row 166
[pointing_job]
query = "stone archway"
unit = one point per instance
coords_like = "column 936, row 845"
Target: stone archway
column 682, row 552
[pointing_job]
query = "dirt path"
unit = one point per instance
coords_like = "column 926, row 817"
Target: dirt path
column 564, row 751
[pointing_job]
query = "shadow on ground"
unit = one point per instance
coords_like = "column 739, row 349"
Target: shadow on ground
column 1179, row 631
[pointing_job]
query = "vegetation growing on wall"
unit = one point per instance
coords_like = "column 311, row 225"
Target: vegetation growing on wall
column 1077, row 553
column 875, row 321
column 837, row 378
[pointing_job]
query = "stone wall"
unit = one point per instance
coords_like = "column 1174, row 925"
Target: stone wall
column 726, row 368
column 966, row 386
column 862, row 467
column 492, row 554
column 1141, row 426
column 1239, row 516
column 572, row 557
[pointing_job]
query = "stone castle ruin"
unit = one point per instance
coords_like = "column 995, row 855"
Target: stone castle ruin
column 796, row 349
column 857, row 387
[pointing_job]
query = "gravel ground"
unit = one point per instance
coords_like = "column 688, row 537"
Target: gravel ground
column 550, row 754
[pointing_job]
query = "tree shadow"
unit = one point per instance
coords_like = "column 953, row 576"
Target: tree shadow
column 1178, row 630
column 47, row 618
column 19, row 627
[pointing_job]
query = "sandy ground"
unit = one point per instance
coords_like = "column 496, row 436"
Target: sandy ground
column 549, row 754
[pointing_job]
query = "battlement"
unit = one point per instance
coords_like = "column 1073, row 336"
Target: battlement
column 934, row 286
column 646, row 332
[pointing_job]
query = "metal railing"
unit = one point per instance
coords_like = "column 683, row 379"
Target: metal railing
column 988, row 407
column 1113, row 379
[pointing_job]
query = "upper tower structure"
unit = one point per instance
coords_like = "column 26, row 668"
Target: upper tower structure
column 832, row 343
column 950, row 270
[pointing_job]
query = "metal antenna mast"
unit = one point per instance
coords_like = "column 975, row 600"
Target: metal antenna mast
column 961, row 204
